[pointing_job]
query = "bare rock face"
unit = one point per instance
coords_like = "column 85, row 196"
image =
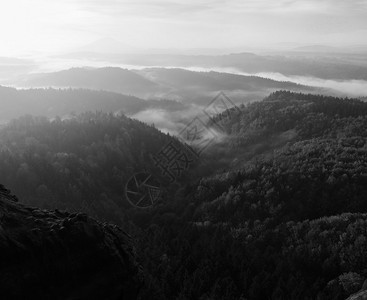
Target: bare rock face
column 58, row 255
column 361, row 295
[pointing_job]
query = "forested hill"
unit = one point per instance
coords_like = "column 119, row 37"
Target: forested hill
column 287, row 117
column 285, row 220
column 320, row 169
column 286, row 225
column 294, row 223
column 79, row 164
column 308, row 115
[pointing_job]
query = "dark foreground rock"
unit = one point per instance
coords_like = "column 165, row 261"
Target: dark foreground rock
column 58, row 255
column 361, row 295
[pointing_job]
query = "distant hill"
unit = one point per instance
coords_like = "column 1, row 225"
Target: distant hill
column 108, row 79
column 11, row 68
column 214, row 81
column 156, row 83
column 318, row 49
column 64, row 102
column 346, row 65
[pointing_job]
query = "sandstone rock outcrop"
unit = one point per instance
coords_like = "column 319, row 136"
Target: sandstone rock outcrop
column 59, row 255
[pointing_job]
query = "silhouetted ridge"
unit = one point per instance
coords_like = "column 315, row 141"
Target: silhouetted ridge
column 58, row 255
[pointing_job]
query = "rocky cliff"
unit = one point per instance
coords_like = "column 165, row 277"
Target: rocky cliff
column 58, row 255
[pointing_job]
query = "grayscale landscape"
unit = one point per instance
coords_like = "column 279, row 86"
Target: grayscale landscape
column 169, row 149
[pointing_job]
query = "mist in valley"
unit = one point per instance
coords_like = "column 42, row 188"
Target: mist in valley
column 168, row 149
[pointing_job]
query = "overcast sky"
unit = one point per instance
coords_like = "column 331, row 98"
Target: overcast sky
column 50, row 25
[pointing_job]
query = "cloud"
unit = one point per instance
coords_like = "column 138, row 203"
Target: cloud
column 175, row 123
column 54, row 24
column 168, row 122
column 350, row 88
column 148, row 9
column 172, row 121
column 204, row 23
column 174, row 7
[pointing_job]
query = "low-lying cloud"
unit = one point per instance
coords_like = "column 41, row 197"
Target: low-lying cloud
column 168, row 121
column 175, row 123
column 351, row 88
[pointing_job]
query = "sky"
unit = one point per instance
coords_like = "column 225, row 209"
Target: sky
column 51, row 26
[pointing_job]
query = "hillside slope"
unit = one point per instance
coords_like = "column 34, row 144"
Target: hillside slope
column 288, row 222
column 284, row 218
column 285, row 118
column 80, row 164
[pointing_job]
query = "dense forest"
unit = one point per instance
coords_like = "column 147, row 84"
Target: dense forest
column 82, row 163
column 287, row 224
column 276, row 210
